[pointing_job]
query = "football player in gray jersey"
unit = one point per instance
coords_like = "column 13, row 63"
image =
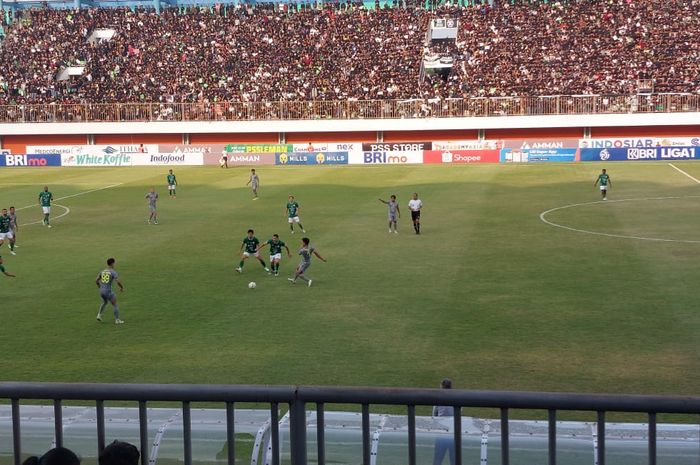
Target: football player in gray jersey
column 104, row 281
column 306, row 251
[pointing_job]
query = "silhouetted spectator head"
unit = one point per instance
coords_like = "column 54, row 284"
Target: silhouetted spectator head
column 119, row 453
column 56, row 456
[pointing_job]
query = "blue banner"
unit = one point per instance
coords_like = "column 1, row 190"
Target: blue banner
column 640, row 154
column 51, row 159
column 538, row 155
column 312, row 158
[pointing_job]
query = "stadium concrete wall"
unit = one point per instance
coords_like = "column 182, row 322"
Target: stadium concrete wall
column 15, row 138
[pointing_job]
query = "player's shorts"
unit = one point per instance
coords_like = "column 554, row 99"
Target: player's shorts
column 392, row 217
column 108, row 296
column 171, row 187
column 415, row 215
column 603, row 188
column 152, row 208
column 46, row 210
column 303, row 266
column 254, row 254
column 277, row 256
column 293, row 219
column 254, row 186
column 6, row 235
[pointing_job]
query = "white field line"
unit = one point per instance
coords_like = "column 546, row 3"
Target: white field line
column 67, row 211
column 683, row 172
column 620, row 236
column 63, row 198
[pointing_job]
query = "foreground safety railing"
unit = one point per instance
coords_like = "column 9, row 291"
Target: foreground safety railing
column 297, row 398
column 351, row 110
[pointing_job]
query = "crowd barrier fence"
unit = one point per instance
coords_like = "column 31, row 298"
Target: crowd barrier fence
column 351, row 109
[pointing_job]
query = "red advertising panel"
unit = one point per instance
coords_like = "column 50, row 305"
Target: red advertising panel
column 461, row 156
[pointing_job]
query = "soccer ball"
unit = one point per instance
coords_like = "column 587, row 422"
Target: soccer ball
column 251, row 285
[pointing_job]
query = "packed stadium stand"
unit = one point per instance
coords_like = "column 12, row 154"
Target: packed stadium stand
column 269, row 53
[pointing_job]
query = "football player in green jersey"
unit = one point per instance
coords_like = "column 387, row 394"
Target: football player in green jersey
column 45, row 198
column 6, row 230
column 172, row 184
column 3, row 271
column 14, row 226
column 293, row 214
column 276, row 252
column 605, row 182
column 250, row 243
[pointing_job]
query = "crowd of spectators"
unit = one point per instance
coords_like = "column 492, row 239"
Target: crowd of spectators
column 267, row 53
column 577, row 47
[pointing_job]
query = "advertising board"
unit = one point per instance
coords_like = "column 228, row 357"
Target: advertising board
column 35, row 160
column 93, row 150
column 640, row 154
column 306, row 158
column 467, row 145
column 181, row 159
column 327, row 147
column 639, row 142
column 104, row 159
column 460, row 156
column 385, row 158
column 538, row 155
column 259, row 148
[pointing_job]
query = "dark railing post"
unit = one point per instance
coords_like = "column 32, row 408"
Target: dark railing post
column 58, row 422
column 458, row 435
column 275, row 432
column 652, row 438
column 16, row 436
column 320, row 434
column 552, row 420
column 187, row 432
column 411, row 435
column 143, row 431
column 100, row 417
column 601, row 437
column 365, row 435
column 230, row 433
column 505, row 445
column 297, row 432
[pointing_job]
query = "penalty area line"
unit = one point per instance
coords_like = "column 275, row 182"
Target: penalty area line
column 683, row 172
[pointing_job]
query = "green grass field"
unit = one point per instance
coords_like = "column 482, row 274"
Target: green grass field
column 489, row 294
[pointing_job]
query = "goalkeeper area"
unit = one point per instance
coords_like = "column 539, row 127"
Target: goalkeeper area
column 522, row 279
column 626, row 443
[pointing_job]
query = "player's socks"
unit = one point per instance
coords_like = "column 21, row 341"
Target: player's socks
column 301, row 276
column 240, row 265
column 116, row 313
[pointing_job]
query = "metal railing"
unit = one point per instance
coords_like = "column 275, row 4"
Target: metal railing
column 297, row 398
column 351, row 110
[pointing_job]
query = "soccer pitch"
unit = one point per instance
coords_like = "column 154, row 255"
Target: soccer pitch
column 488, row 294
